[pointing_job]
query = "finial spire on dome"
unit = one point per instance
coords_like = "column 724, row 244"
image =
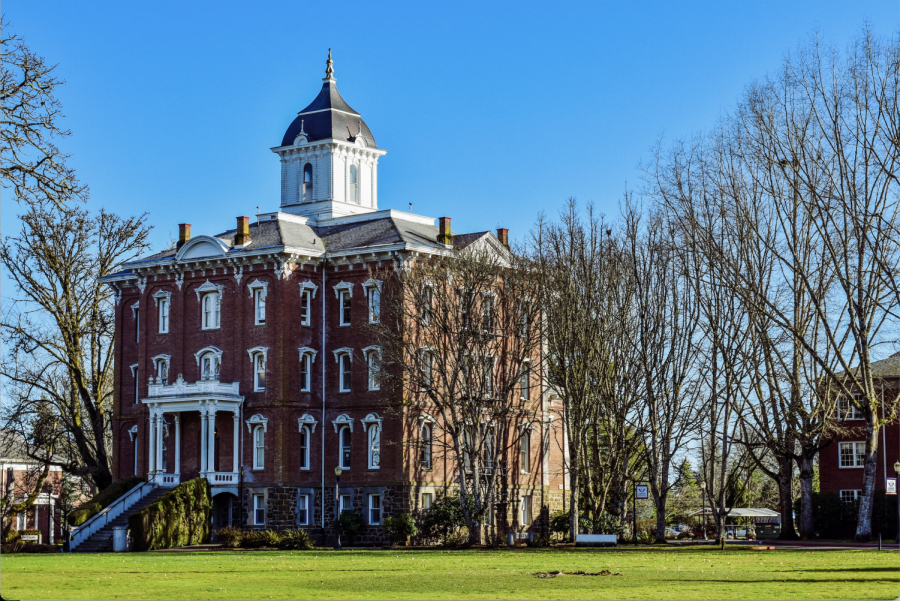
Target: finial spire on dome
column 329, row 69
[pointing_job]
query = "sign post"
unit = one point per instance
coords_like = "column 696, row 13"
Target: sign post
column 641, row 491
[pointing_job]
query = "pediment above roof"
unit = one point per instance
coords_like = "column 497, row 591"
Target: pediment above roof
column 200, row 247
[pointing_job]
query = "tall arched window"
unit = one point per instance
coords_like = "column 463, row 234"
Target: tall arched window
column 211, row 318
column 259, row 447
column 306, row 189
column 209, row 366
column 354, row 185
column 304, row 447
column 426, row 446
column 345, row 447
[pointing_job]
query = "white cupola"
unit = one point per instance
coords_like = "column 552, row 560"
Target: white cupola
column 329, row 160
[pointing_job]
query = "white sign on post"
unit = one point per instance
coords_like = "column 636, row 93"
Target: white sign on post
column 642, row 491
column 890, row 486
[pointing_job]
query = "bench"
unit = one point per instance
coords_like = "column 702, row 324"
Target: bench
column 595, row 540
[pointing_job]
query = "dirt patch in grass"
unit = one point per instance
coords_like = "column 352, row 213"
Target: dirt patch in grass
column 556, row 573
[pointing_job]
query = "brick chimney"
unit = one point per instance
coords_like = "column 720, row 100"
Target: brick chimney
column 444, row 235
column 503, row 236
column 184, row 234
column 242, row 236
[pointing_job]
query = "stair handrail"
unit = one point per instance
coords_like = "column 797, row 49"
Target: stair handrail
column 108, row 514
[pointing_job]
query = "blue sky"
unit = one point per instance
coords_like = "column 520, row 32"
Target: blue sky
column 490, row 111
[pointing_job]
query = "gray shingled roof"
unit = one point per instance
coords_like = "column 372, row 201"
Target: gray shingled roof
column 328, row 116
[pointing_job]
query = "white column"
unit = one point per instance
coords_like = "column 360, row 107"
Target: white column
column 211, row 432
column 151, row 439
column 159, row 443
column 178, row 443
column 237, row 435
column 203, row 428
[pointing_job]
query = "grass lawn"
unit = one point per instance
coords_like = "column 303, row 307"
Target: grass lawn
column 688, row 573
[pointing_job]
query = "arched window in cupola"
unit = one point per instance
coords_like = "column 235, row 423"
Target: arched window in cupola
column 306, row 188
column 354, row 184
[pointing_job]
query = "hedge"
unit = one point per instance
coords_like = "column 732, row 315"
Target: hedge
column 833, row 518
column 179, row 518
column 102, row 500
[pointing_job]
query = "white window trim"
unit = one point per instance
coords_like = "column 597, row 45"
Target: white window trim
column 309, row 433
column 208, row 349
column 380, row 509
column 304, row 288
column 371, row 380
column 209, row 287
column 255, row 497
column 307, row 420
column 263, row 287
column 854, row 466
column 167, row 359
column 372, row 283
column 342, row 420
column 306, row 351
column 159, row 294
column 526, row 434
column 337, row 359
column 428, row 420
column 257, row 419
column 373, row 419
column 340, row 433
column 132, row 432
column 856, row 493
column 304, row 496
column 307, row 285
column 348, row 286
column 258, row 350
column 528, row 372
column 253, row 431
column 134, row 309
column 854, row 412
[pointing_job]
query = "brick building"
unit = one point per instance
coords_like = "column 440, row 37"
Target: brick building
column 841, row 463
column 19, row 477
column 243, row 356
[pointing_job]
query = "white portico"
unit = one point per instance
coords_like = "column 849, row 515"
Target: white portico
column 208, row 397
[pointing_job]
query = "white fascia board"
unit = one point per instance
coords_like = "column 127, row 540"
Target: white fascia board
column 383, row 214
column 330, row 142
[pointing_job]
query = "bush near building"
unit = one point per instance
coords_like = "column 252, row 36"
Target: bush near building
column 834, row 518
column 102, row 500
column 179, row 518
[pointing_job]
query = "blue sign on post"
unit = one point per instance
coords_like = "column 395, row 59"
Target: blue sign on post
column 642, row 491
column 890, row 486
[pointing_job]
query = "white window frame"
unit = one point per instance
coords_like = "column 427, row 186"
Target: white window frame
column 136, row 312
column 306, row 191
column 427, row 310
column 258, row 421
column 427, row 368
column 259, row 447
column 372, row 426
column 525, row 381
column 525, row 516
column 342, row 456
column 342, row 290
column 305, row 451
column 161, row 365
column 525, row 450
column 345, row 384
column 136, row 372
column 133, row 434
column 303, row 499
column 373, row 367
column 345, row 503
column 307, row 358
column 353, row 183
column 307, row 294
column 859, row 458
column 426, row 452
column 210, row 311
column 427, row 500
column 856, row 492
column 258, row 292
column 163, row 300
column 257, row 353
column 259, row 505
column 372, row 502
column 853, row 412
column 373, row 299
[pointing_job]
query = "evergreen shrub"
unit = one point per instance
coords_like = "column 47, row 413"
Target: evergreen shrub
column 296, row 540
column 401, row 528
column 102, row 500
column 179, row 518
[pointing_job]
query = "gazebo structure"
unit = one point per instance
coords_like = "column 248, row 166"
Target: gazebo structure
column 764, row 519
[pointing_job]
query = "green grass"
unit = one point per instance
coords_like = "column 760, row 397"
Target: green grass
column 688, row 573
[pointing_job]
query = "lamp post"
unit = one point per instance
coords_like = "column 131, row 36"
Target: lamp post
column 897, row 473
column 703, row 513
column 337, row 508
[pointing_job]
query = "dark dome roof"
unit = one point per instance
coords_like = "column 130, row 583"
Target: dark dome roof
column 328, row 116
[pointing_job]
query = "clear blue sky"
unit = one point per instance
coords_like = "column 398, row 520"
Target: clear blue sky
column 491, row 111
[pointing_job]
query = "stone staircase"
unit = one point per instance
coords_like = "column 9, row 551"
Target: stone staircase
column 102, row 540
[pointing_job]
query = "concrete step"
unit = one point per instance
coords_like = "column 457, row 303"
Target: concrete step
column 102, row 540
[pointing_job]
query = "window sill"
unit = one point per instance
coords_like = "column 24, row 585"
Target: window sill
column 851, row 467
column 257, row 469
column 210, row 329
column 344, row 391
column 374, row 390
column 344, row 325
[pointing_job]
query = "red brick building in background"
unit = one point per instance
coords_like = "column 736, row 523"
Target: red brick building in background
column 244, row 356
column 841, row 463
column 19, row 477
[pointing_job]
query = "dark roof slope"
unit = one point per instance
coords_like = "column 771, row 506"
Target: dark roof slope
column 328, row 116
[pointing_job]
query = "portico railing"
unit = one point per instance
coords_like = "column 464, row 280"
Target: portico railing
column 84, row 532
column 208, row 397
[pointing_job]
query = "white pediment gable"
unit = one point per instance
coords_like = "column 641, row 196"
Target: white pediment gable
column 202, row 246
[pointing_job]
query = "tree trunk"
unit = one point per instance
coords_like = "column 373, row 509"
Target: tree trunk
column 661, row 521
column 867, row 498
column 573, row 504
column 785, row 479
column 807, row 525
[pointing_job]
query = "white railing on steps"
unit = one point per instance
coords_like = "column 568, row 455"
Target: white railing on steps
column 122, row 504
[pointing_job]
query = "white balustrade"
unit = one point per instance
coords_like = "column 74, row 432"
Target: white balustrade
column 125, row 502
